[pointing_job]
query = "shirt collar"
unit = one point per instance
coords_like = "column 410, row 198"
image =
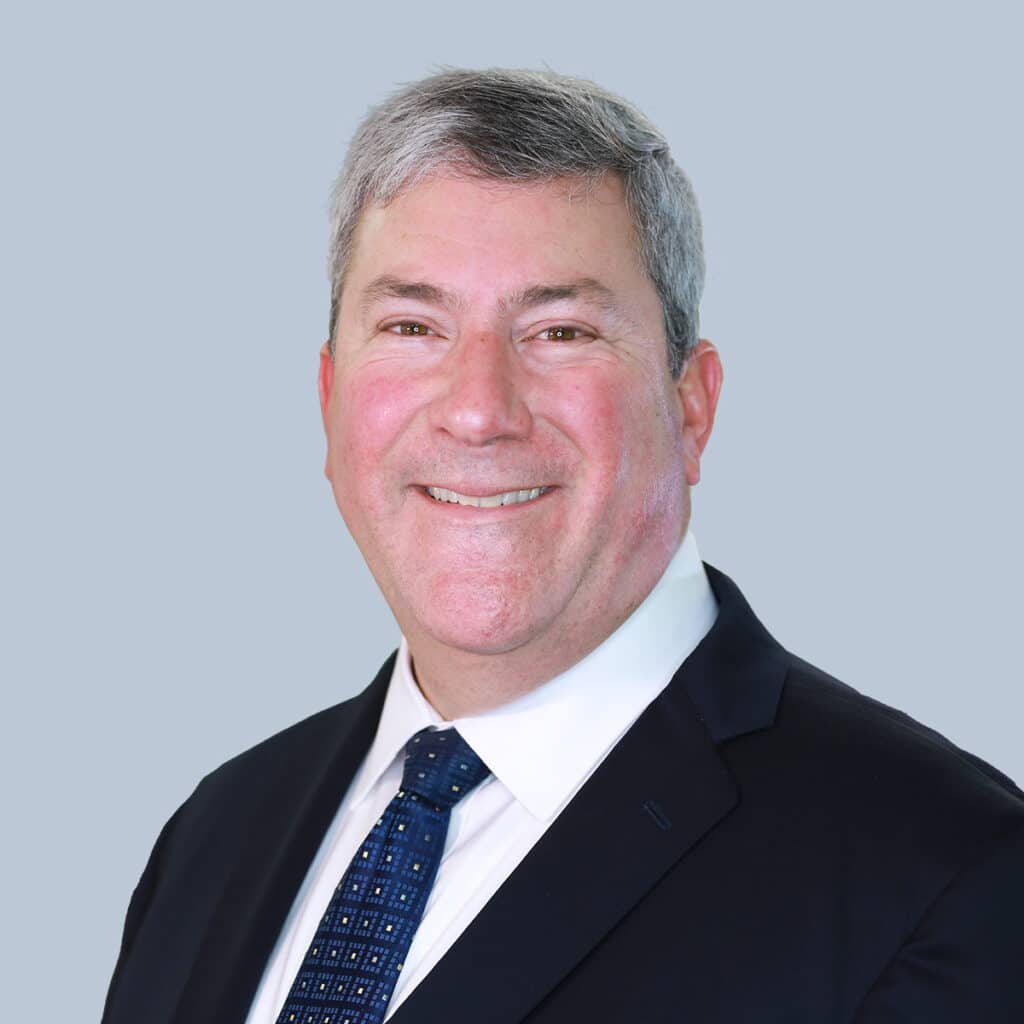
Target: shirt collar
column 544, row 745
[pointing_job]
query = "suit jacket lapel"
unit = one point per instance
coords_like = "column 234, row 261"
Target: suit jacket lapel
column 295, row 809
column 661, row 789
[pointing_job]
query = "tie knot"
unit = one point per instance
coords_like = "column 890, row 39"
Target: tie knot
column 441, row 766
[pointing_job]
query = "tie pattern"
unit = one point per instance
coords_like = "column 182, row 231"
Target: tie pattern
column 352, row 964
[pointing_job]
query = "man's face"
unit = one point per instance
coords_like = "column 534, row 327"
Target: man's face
column 505, row 440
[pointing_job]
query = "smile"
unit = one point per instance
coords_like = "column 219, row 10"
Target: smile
column 486, row 500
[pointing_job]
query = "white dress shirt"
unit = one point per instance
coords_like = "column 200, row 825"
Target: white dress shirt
column 541, row 748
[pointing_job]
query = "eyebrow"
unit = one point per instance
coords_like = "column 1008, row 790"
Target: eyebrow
column 389, row 287
column 542, row 294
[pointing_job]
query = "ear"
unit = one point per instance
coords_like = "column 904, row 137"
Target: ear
column 325, row 386
column 698, row 386
column 325, row 380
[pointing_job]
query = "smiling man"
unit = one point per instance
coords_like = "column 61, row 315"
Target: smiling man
column 589, row 785
column 506, row 441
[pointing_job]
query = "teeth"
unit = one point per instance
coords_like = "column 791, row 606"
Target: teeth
column 487, row 500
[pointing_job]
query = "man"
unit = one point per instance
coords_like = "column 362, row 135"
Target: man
column 590, row 786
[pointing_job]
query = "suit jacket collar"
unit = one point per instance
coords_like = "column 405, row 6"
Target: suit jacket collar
column 734, row 677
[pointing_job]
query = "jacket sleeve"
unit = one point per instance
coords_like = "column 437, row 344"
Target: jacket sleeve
column 964, row 963
column 137, row 907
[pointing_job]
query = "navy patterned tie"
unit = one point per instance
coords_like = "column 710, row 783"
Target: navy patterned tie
column 353, row 962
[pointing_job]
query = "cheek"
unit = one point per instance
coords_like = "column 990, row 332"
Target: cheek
column 370, row 412
column 596, row 414
column 620, row 426
column 632, row 445
column 658, row 478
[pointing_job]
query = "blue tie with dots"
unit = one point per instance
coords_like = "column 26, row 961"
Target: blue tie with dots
column 353, row 962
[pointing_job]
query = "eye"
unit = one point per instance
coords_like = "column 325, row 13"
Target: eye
column 409, row 328
column 563, row 332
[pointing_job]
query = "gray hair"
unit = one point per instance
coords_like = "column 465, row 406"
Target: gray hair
column 522, row 125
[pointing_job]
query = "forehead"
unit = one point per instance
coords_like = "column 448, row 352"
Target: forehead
column 469, row 233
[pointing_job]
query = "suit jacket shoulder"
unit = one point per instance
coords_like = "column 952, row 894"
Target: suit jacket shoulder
column 226, row 867
column 873, row 767
column 837, row 754
column 867, row 814
column 277, row 765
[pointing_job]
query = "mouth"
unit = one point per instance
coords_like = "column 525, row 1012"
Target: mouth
column 516, row 497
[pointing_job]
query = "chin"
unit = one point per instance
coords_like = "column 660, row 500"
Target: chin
column 486, row 618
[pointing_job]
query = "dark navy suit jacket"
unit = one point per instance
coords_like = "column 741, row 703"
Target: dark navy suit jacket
column 764, row 844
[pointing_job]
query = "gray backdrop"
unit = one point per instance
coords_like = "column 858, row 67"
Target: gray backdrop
column 176, row 581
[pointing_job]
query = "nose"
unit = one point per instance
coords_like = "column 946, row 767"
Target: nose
column 483, row 398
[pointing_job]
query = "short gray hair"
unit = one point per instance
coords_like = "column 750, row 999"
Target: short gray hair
column 520, row 125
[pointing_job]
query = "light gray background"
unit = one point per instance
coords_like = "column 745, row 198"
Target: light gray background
column 176, row 581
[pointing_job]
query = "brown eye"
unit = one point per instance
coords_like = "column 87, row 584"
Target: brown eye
column 412, row 328
column 562, row 333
